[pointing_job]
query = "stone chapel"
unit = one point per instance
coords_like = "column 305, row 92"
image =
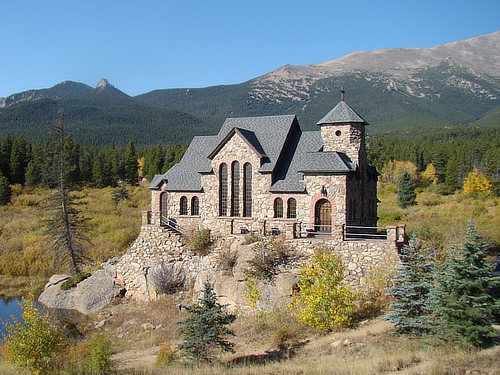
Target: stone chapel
column 266, row 175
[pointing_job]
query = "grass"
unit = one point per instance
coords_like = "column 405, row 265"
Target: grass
column 26, row 251
column 440, row 220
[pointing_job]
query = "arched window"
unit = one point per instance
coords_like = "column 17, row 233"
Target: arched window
column 195, row 206
column 278, row 207
column 247, row 190
column 183, row 206
column 223, row 190
column 235, row 188
column 291, row 208
column 163, row 203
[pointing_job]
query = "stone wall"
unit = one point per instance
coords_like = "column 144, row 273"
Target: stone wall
column 157, row 248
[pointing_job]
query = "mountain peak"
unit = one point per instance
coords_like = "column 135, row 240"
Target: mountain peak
column 102, row 84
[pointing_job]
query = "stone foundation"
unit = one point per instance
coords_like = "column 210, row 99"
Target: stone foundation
column 159, row 248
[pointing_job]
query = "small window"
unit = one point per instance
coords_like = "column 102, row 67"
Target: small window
column 278, row 207
column 291, row 208
column 183, row 206
column 195, row 206
column 338, row 133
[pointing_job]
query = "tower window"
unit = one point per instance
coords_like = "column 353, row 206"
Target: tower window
column 338, row 133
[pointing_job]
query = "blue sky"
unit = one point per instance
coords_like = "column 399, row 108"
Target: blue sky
column 145, row 45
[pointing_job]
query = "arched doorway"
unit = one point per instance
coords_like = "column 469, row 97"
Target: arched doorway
column 163, row 204
column 323, row 216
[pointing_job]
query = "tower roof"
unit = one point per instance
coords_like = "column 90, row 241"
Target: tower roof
column 342, row 113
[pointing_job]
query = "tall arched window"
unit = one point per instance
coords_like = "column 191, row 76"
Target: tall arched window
column 195, row 206
column 223, row 190
column 183, row 206
column 291, row 208
column 278, row 207
column 235, row 188
column 247, row 190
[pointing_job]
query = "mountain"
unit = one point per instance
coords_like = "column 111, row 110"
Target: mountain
column 100, row 115
column 399, row 88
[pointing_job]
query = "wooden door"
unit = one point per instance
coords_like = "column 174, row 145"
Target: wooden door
column 323, row 216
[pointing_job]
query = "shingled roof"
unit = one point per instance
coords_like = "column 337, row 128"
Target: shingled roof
column 267, row 136
column 342, row 113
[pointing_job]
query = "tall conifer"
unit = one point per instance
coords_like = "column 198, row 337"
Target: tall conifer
column 406, row 191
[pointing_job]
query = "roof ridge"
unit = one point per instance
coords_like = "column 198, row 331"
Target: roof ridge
column 263, row 116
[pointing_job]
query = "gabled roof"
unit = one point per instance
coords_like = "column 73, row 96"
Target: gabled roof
column 248, row 136
column 342, row 113
column 270, row 131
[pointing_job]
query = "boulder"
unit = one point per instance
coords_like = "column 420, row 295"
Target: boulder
column 89, row 296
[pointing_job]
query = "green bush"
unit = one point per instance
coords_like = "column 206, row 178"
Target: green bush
column 200, row 242
column 251, row 238
column 98, row 359
column 73, row 281
column 34, row 344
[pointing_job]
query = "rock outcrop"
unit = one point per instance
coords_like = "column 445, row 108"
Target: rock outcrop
column 89, row 296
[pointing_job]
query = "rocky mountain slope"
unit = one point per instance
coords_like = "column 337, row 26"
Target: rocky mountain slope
column 455, row 83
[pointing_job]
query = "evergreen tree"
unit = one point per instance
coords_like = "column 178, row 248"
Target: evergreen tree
column 18, row 161
column 5, row 151
column 33, row 173
column 410, row 309
column 131, row 166
column 65, row 224
column 461, row 301
column 206, row 328
column 406, row 191
column 452, row 174
column 439, row 162
column 5, row 192
column 119, row 194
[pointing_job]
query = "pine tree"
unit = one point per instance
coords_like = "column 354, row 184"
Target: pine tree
column 119, row 194
column 439, row 162
column 452, row 174
column 406, row 191
column 410, row 309
column 461, row 302
column 5, row 192
column 206, row 328
column 18, row 161
column 65, row 224
column 33, row 173
column 5, row 151
column 131, row 166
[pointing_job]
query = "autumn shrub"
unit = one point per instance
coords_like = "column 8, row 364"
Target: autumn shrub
column 252, row 292
column 393, row 170
column 477, row 182
column 167, row 355
column 34, row 344
column 323, row 302
column 199, row 242
column 270, row 254
column 429, row 199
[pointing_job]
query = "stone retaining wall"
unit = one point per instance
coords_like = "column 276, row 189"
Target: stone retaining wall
column 157, row 247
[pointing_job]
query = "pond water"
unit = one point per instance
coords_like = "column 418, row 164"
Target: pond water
column 10, row 309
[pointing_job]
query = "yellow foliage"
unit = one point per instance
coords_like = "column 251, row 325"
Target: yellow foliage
column 430, row 174
column 476, row 182
column 35, row 344
column 140, row 163
column 252, row 292
column 394, row 169
column 324, row 302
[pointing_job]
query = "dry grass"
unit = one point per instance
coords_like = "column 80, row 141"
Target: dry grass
column 24, row 249
column 440, row 220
